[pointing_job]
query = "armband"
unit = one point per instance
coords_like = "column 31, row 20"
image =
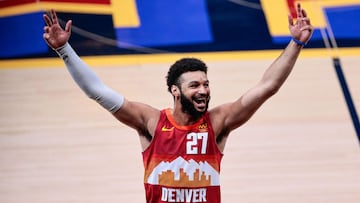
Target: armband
column 88, row 81
column 298, row 42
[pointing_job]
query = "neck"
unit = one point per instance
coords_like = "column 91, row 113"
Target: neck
column 183, row 118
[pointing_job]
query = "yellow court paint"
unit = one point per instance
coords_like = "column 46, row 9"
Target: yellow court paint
column 276, row 12
column 118, row 60
column 125, row 13
column 58, row 6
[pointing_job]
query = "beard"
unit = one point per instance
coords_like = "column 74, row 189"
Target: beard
column 188, row 107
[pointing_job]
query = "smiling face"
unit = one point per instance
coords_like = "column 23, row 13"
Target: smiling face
column 187, row 81
column 194, row 93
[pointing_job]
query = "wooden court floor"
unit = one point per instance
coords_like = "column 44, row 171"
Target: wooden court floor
column 58, row 146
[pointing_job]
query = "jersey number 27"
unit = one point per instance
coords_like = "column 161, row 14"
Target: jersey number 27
column 196, row 143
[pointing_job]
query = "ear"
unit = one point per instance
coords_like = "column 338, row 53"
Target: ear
column 175, row 90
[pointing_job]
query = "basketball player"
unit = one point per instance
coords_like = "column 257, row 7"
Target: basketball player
column 182, row 146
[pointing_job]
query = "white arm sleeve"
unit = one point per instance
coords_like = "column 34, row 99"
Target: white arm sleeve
column 88, row 81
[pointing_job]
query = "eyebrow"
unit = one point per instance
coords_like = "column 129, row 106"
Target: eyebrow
column 197, row 82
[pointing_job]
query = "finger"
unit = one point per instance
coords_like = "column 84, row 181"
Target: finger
column 47, row 20
column 306, row 27
column 303, row 21
column 46, row 29
column 46, row 36
column 54, row 17
column 304, row 14
column 290, row 19
column 68, row 26
column 307, row 20
column 299, row 12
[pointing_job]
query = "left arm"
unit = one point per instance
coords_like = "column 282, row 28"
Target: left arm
column 237, row 113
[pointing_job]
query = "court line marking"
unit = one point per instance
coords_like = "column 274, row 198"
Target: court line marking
column 134, row 59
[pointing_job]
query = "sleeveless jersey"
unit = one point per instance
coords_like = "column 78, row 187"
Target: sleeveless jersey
column 182, row 163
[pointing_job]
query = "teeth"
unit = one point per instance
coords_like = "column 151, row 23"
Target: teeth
column 200, row 100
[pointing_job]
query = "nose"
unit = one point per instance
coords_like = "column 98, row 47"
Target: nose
column 203, row 89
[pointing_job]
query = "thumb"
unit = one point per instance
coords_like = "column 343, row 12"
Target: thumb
column 68, row 26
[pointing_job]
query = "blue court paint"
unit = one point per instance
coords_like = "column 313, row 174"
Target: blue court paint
column 343, row 21
column 347, row 95
column 22, row 35
column 168, row 22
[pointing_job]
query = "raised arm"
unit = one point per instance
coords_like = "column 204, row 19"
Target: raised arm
column 137, row 115
column 236, row 113
column 87, row 80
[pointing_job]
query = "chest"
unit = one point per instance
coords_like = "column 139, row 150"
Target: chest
column 197, row 140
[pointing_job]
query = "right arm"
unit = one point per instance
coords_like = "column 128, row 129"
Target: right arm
column 139, row 116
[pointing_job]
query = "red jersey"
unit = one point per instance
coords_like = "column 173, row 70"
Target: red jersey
column 182, row 163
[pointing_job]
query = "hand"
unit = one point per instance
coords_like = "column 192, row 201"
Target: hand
column 54, row 35
column 302, row 29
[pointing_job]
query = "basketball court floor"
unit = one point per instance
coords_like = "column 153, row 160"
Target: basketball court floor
column 58, row 146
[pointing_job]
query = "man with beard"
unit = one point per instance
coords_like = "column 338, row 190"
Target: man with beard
column 182, row 147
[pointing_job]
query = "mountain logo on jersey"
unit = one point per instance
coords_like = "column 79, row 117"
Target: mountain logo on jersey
column 182, row 173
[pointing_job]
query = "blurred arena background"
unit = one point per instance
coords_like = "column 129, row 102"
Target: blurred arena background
column 58, row 146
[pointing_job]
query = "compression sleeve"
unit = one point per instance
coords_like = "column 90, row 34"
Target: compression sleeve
column 88, row 81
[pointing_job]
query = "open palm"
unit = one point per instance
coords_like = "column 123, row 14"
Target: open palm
column 54, row 35
column 301, row 29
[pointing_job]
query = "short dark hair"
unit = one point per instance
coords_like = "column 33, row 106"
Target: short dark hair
column 182, row 66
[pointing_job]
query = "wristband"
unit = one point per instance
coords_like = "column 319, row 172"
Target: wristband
column 300, row 43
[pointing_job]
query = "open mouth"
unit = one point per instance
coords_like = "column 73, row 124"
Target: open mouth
column 200, row 102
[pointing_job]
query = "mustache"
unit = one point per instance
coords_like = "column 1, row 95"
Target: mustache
column 200, row 96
